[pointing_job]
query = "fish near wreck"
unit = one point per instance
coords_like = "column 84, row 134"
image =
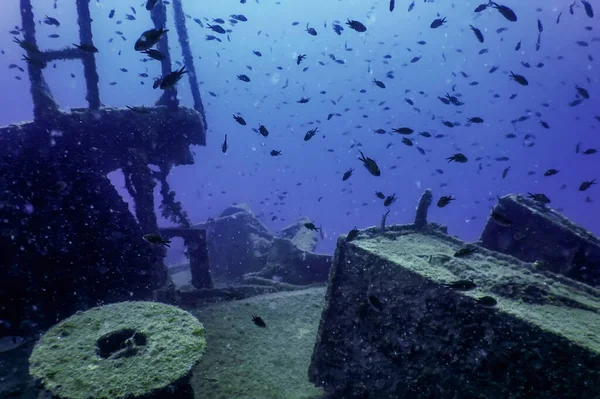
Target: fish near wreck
column 370, row 165
column 171, row 79
column 149, row 38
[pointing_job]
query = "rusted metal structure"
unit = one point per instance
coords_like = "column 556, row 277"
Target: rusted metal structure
column 72, row 241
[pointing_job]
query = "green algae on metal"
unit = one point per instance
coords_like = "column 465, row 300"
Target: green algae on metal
column 68, row 363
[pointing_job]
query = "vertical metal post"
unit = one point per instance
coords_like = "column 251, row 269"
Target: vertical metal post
column 89, row 60
column 43, row 102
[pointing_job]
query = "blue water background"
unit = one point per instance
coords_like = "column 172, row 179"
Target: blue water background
column 308, row 170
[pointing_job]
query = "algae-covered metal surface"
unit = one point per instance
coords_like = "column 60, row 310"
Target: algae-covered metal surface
column 393, row 328
column 72, row 362
column 544, row 299
column 244, row 361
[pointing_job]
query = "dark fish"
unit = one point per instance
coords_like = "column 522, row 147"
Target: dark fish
column 370, row 165
column 460, row 158
column 518, row 46
column 258, row 321
column 475, row 119
column 216, row 28
column 275, row 153
column 478, row 33
column 437, row 23
column 347, row 174
column 501, row 219
column 51, row 21
column 310, row 134
column 88, row 48
column 545, row 125
column 481, row 7
column 587, row 184
column 111, row 13
column 392, row 5
column 551, row 172
column 540, row 26
column 445, row 200
column 375, row 302
column 311, row 31
column 583, row 92
column 505, row 172
column 171, row 79
column 263, row 131
column 300, row 58
column 357, row 26
column 505, row 11
column 338, row 29
column 403, row 130
column 155, row 238
column 257, row 53
column 243, row 78
column 352, row 235
column 311, row 226
column 224, row 146
column 520, row 79
column 154, row 54
column 461, row 285
column 379, row 195
column 240, row 120
column 407, row 141
column 588, row 8
column 539, row 197
column 487, row 301
column 379, row 83
column 149, row 38
column 465, row 251
column 389, row 200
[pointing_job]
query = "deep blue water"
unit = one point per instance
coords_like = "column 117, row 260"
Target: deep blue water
column 311, row 170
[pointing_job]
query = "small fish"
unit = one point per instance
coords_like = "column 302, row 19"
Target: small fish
column 263, row 131
column 239, row 120
column 243, row 78
column 437, row 23
column 379, row 195
column 520, row 79
column 148, row 39
column 389, row 200
column 459, row 157
column 505, row 11
column 154, row 54
column 311, row 226
column 551, row 172
column 224, row 146
column 465, row 251
column 392, row 5
column 311, row 31
column 462, row 285
column 587, row 184
column 275, row 153
column 478, row 34
column 379, row 83
column 370, row 165
column 347, row 174
column 310, row 134
column 258, row 321
column 357, row 26
column 352, row 235
column 487, row 301
column 588, row 8
column 505, row 172
column 88, row 48
column 51, row 21
column 445, row 200
column 155, row 238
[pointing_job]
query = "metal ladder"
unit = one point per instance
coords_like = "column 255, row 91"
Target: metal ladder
column 45, row 107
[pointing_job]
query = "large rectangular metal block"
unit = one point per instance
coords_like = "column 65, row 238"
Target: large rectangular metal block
column 537, row 233
column 392, row 326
